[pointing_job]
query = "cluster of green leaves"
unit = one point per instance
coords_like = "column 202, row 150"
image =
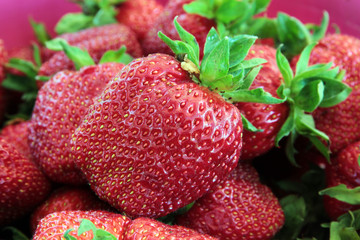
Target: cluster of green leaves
column 314, row 86
column 85, row 226
column 346, row 227
column 94, row 13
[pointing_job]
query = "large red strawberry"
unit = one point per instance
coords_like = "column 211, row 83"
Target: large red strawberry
column 238, row 208
column 54, row 225
column 60, row 107
column 17, row 133
column 195, row 24
column 155, row 140
column 22, row 185
column 67, row 199
column 344, row 52
column 96, row 41
column 146, row 228
column 139, row 15
column 268, row 117
column 344, row 169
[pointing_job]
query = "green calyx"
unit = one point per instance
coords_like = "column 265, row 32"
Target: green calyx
column 94, row 13
column 232, row 16
column 311, row 87
column 82, row 58
column 223, row 68
column 87, row 225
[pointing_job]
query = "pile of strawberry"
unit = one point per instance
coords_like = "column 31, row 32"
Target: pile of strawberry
column 194, row 119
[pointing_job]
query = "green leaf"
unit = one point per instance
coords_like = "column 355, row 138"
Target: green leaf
column 261, row 5
column 239, row 48
column 249, row 126
column 203, row 8
column 335, row 92
column 250, row 77
column 319, row 32
column 67, row 236
column 101, row 234
column 212, row 40
column 257, row 95
column 284, row 67
column 73, row 22
column 104, row 16
column 305, row 125
column 286, row 128
column 310, row 96
column 230, row 10
column 37, row 55
column 344, row 194
column 319, row 145
column 119, row 56
column 19, row 83
column 85, row 226
column 40, row 31
column 290, row 150
column 55, row 44
column 262, row 27
column 24, row 66
column 303, row 61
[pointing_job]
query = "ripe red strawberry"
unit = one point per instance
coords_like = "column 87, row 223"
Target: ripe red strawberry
column 17, row 133
column 156, row 140
column 146, row 228
column 344, row 52
column 67, row 199
column 268, row 117
column 238, row 208
column 59, row 109
column 344, row 169
column 53, row 226
column 22, row 185
column 139, row 15
column 96, row 41
column 195, row 24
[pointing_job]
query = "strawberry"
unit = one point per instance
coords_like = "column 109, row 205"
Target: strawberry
column 59, row 109
column 25, row 53
column 17, row 133
column 54, row 225
column 268, row 117
column 238, row 208
column 139, row 15
column 22, row 185
column 195, row 24
column 344, row 169
column 155, row 141
column 67, row 199
column 96, row 41
column 146, row 228
column 344, row 52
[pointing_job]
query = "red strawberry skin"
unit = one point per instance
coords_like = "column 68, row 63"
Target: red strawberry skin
column 96, row 41
column 139, row 15
column 268, row 117
column 195, row 24
column 344, row 52
column 146, row 228
column 67, row 199
column 54, row 225
column 22, row 185
column 238, row 208
column 59, row 109
column 344, row 169
column 17, row 134
column 155, row 141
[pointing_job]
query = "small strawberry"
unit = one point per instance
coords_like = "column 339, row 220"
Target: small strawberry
column 17, row 133
column 67, row 199
column 195, row 24
column 268, row 117
column 96, row 41
column 344, row 169
column 155, row 141
column 238, row 208
column 139, row 15
column 55, row 225
column 146, row 228
column 22, row 185
column 59, row 109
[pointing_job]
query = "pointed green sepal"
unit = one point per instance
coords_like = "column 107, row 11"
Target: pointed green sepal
column 37, row 55
column 203, row 8
column 19, row 83
column 80, row 58
column 67, row 236
column 284, row 67
column 257, row 95
column 290, row 151
column 40, row 31
column 119, row 56
column 73, row 22
column 248, row 125
column 24, row 66
column 344, row 194
column 87, row 225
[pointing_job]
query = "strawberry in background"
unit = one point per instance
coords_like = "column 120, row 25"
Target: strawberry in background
column 67, row 198
column 22, row 185
column 3, row 60
column 238, row 208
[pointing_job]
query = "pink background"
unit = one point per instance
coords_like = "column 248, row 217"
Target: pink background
column 15, row 29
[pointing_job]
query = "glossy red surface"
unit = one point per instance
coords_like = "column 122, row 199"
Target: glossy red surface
column 16, row 31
